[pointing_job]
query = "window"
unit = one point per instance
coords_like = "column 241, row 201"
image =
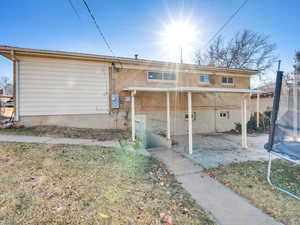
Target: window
column 161, row 76
column 227, row 80
column 204, row 79
column 154, row 76
column 186, row 116
column 169, row 76
column 224, row 115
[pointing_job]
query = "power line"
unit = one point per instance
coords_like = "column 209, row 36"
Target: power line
column 74, row 9
column 226, row 23
column 98, row 28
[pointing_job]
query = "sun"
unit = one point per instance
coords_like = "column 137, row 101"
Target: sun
column 178, row 37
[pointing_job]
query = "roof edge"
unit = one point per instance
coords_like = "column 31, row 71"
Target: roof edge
column 4, row 50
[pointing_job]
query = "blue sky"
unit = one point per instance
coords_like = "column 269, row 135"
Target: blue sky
column 132, row 26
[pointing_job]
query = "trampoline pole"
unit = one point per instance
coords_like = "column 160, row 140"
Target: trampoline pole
column 275, row 109
column 269, row 169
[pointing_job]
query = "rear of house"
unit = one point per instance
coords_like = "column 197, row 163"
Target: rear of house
column 92, row 91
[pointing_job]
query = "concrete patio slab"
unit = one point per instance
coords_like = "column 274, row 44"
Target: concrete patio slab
column 226, row 207
column 222, row 149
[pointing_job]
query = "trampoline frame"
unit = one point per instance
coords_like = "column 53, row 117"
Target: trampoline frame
column 270, row 144
column 270, row 172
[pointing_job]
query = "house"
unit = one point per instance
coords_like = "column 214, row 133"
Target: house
column 94, row 91
column 4, row 99
column 266, row 97
column 6, row 108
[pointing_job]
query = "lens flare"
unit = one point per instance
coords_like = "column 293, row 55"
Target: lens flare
column 179, row 36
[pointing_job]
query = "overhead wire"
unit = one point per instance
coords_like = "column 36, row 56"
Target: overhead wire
column 100, row 31
column 74, row 9
column 98, row 27
column 226, row 23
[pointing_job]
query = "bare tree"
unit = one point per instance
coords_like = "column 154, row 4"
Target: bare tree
column 297, row 65
column 246, row 50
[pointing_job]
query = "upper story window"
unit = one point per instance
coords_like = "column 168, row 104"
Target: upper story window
column 161, row 76
column 227, row 80
column 169, row 76
column 204, row 78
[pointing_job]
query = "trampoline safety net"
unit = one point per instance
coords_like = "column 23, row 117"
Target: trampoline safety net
column 285, row 133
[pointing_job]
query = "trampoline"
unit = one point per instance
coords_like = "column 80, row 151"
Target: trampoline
column 284, row 137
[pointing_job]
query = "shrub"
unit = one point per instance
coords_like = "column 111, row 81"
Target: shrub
column 264, row 123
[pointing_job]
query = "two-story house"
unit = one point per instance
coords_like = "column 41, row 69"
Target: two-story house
column 94, row 91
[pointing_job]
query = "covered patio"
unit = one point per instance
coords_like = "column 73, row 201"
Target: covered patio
column 244, row 95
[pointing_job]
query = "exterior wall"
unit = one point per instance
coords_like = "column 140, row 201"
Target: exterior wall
column 131, row 78
column 207, row 121
column 61, row 86
column 206, row 107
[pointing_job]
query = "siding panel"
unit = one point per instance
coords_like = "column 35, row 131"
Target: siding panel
column 60, row 86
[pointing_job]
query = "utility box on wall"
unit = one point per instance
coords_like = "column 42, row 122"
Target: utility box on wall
column 115, row 101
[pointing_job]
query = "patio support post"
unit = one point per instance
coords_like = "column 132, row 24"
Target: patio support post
column 168, row 118
column 190, row 123
column 133, row 115
column 257, row 110
column 244, row 122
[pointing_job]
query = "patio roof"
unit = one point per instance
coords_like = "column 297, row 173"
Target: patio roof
column 191, row 89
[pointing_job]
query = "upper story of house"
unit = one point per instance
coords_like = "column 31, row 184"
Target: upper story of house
column 181, row 75
column 132, row 72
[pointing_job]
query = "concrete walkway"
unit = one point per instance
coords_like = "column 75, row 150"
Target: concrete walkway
column 224, row 205
column 50, row 140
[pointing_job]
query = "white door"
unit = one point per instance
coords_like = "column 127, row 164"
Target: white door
column 140, row 128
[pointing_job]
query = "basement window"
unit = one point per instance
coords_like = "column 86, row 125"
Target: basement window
column 227, row 80
column 224, row 115
column 186, row 116
column 161, row 76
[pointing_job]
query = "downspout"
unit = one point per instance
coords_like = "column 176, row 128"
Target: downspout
column 16, row 80
column 113, row 112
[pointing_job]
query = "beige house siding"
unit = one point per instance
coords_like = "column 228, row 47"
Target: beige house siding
column 129, row 77
column 206, row 106
column 265, row 104
column 152, row 102
column 61, row 86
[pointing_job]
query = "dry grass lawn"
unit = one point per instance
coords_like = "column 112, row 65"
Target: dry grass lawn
column 249, row 180
column 68, row 132
column 57, row 184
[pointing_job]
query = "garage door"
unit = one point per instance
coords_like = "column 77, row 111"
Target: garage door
column 59, row 86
